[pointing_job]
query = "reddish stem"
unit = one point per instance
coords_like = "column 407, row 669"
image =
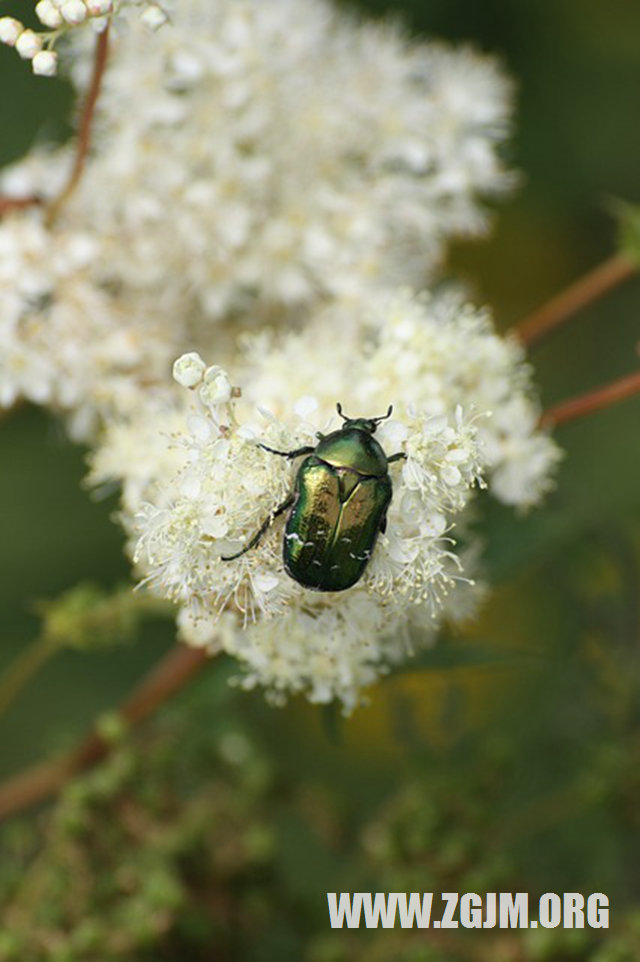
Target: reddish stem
column 83, row 143
column 589, row 288
column 8, row 204
column 584, row 404
column 169, row 676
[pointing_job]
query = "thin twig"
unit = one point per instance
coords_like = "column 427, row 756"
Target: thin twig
column 85, row 128
column 589, row 288
column 169, row 676
column 9, row 204
column 602, row 397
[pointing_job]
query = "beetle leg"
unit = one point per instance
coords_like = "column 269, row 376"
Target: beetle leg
column 261, row 531
column 288, row 454
column 400, row 456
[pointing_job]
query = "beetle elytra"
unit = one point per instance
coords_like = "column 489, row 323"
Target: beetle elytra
column 337, row 508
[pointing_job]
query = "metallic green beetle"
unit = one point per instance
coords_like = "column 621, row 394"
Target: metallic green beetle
column 338, row 506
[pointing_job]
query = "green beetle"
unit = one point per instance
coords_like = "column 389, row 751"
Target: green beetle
column 338, row 506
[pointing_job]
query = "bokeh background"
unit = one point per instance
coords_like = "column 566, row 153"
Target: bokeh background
column 508, row 758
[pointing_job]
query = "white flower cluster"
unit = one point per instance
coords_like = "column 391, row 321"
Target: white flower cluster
column 68, row 341
column 201, row 496
column 284, row 154
column 61, row 16
column 261, row 158
column 264, row 177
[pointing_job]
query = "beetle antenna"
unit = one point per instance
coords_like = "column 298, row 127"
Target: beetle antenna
column 384, row 416
column 339, row 410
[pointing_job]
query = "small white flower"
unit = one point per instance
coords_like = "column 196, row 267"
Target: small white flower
column 216, row 387
column 99, row 24
column 10, row 30
column 45, row 63
column 153, row 17
column 99, row 8
column 188, row 369
column 305, row 406
column 28, row 44
column 74, row 12
column 49, row 14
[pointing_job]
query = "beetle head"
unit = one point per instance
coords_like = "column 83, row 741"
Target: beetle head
column 363, row 424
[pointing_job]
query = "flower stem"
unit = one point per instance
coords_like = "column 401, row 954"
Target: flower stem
column 85, row 127
column 175, row 670
column 23, row 668
column 584, row 404
column 589, row 288
column 9, row 204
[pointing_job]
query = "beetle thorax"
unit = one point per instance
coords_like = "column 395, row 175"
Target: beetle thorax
column 355, row 448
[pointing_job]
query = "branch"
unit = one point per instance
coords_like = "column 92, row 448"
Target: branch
column 584, row 404
column 583, row 292
column 86, row 124
column 175, row 670
column 9, row 204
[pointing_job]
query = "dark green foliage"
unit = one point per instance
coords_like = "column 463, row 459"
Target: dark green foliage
column 215, row 835
column 191, row 843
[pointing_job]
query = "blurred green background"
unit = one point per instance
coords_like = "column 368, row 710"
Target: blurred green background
column 528, row 759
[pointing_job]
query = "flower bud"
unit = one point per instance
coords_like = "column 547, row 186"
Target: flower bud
column 28, row 44
column 45, row 63
column 154, row 17
column 98, row 8
column 216, row 388
column 99, row 24
column 189, row 369
column 74, row 11
column 48, row 14
column 10, row 30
